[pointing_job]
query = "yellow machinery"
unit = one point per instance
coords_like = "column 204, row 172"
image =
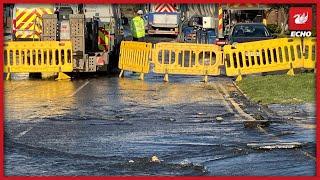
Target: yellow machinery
column 63, row 38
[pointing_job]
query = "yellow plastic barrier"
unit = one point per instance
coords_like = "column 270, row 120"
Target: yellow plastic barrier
column 135, row 56
column 188, row 59
column 263, row 56
column 37, row 56
column 309, row 53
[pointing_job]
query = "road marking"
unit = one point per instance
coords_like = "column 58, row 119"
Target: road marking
column 236, row 105
column 79, row 89
column 225, row 103
column 23, row 132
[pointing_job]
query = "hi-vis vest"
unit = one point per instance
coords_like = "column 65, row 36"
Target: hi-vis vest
column 137, row 27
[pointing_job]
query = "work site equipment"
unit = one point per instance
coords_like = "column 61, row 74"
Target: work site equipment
column 103, row 39
column 38, row 56
column 187, row 59
column 94, row 30
column 171, row 58
column 135, row 56
column 204, row 59
column 263, row 56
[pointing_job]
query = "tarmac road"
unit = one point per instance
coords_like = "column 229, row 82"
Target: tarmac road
column 112, row 126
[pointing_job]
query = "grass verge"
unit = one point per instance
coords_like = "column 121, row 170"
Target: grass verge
column 280, row 89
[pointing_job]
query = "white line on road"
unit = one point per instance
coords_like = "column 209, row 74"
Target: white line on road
column 23, row 132
column 224, row 101
column 236, row 105
column 79, row 89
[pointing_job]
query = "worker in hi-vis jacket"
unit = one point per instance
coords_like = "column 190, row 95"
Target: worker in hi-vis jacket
column 137, row 27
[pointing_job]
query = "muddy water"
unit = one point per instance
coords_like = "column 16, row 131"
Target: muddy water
column 111, row 126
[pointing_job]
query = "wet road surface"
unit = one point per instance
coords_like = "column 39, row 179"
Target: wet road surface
column 112, row 126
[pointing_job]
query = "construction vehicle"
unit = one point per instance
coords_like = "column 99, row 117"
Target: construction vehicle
column 26, row 20
column 7, row 22
column 94, row 30
column 163, row 19
column 199, row 24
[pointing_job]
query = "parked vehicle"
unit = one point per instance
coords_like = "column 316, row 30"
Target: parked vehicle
column 246, row 32
column 200, row 23
column 199, row 30
column 189, row 34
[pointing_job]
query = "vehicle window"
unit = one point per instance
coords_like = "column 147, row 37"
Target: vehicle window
column 250, row 31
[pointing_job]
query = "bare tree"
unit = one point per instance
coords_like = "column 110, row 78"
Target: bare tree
column 283, row 11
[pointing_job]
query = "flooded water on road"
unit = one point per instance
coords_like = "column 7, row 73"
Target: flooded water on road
column 112, row 126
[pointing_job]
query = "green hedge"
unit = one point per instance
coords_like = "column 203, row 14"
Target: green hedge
column 274, row 29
